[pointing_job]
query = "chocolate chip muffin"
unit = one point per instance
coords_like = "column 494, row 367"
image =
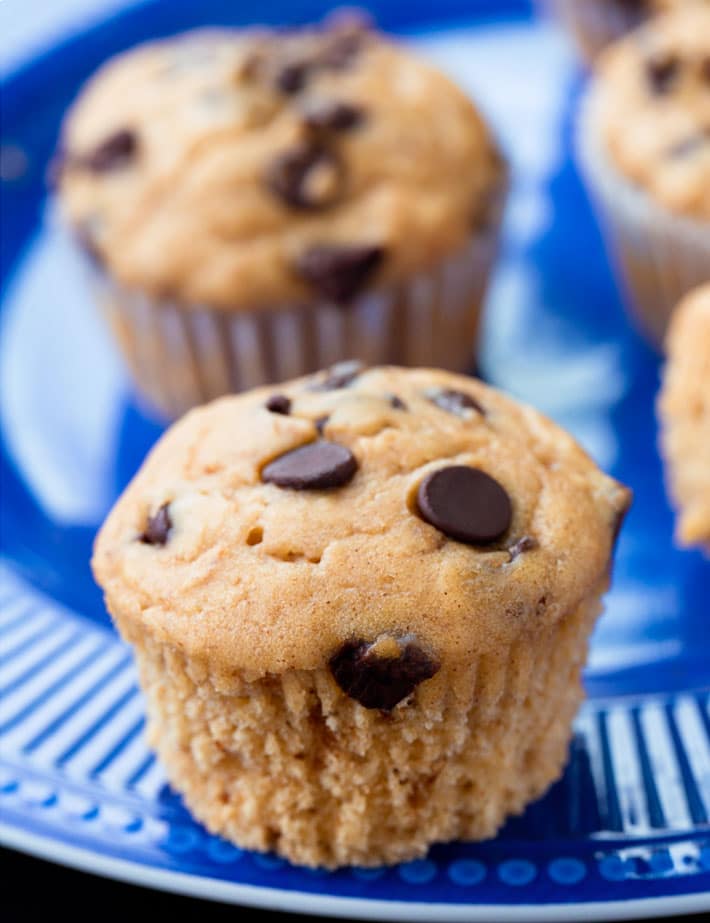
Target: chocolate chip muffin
column 684, row 411
column 644, row 144
column 261, row 204
column 360, row 605
column 594, row 24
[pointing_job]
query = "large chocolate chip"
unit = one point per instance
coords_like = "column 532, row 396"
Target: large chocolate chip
column 279, row 403
column 380, row 675
column 309, row 176
column 465, row 503
column 340, row 375
column 336, row 272
column 117, row 151
column 457, row 402
column 331, row 115
column 312, row 467
column 157, row 529
column 662, row 69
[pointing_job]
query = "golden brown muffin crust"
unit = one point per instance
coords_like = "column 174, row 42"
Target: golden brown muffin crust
column 214, row 167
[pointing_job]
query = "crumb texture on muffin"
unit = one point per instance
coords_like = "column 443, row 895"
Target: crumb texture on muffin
column 251, row 168
column 652, row 99
column 684, row 408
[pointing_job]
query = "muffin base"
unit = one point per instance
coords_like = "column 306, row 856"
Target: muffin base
column 182, row 356
column 289, row 763
column 659, row 256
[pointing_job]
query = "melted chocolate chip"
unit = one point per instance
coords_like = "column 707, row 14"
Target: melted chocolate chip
column 279, row 403
column 457, row 402
column 157, row 529
column 377, row 681
column 315, row 466
column 309, row 176
column 397, row 403
column 526, row 543
column 331, row 115
column 465, row 503
column 336, row 272
column 662, row 71
column 115, row 152
column 340, row 375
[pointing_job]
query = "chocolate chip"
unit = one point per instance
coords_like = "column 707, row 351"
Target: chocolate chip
column 308, row 176
column 336, row 272
column 157, row 530
column 373, row 677
column 331, row 115
column 662, row 69
column 397, row 403
column 117, row 151
column 705, row 69
column 526, row 543
column 320, row 423
column 279, row 403
column 292, row 77
column 339, row 375
column 457, row 402
column 688, row 146
column 312, row 467
column 465, row 503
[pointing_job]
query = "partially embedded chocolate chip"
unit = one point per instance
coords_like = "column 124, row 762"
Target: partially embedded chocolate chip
column 689, row 145
column 662, row 69
column 279, row 403
column 314, row 466
column 331, row 115
column 308, row 176
column 339, row 375
column 526, row 543
column 457, row 402
column 320, row 423
column 115, row 152
column 373, row 677
column 397, row 403
column 157, row 529
column 339, row 272
column 465, row 503
column 292, row 77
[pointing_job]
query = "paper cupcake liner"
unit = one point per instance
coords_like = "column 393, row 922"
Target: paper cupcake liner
column 660, row 256
column 290, row 763
column 593, row 24
column 184, row 355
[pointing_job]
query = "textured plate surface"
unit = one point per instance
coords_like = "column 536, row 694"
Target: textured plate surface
column 629, row 822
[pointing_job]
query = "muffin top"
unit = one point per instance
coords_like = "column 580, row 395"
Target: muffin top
column 408, row 515
column 248, row 168
column 685, row 410
column 652, row 99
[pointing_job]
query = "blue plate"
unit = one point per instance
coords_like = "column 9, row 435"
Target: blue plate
column 626, row 831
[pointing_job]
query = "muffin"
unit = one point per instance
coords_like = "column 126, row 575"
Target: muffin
column 684, row 411
column 594, row 24
column 258, row 205
column 360, row 605
column 644, row 146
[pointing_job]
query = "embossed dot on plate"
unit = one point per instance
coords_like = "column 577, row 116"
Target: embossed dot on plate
column 315, row 466
column 465, row 503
